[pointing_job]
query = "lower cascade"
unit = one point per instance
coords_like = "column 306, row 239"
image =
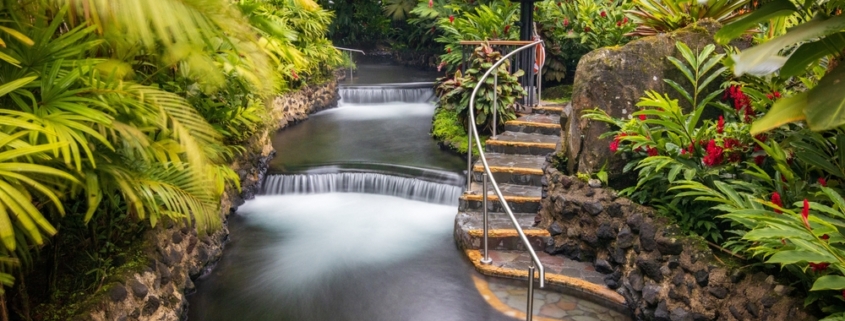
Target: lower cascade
column 372, row 183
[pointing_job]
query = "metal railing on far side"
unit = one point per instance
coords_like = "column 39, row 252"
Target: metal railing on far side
column 488, row 175
column 349, row 52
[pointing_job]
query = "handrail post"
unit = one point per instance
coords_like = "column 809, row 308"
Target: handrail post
column 495, row 100
column 529, row 312
column 486, row 259
column 469, row 158
column 539, row 85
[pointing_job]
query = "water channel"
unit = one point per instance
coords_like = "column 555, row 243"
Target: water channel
column 356, row 221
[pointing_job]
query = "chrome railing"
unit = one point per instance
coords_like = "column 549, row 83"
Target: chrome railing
column 473, row 132
column 350, row 51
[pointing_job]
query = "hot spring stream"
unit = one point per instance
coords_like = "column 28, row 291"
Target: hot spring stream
column 356, row 222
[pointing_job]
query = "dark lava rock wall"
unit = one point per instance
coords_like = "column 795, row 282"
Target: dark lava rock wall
column 662, row 274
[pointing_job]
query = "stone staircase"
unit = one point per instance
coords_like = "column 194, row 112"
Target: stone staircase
column 516, row 158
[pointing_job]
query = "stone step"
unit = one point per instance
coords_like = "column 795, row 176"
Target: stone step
column 512, row 169
column 501, row 234
column 549, row 110
column 522, row 143
column 562, row 274
column 520, row 198
column 535, row 123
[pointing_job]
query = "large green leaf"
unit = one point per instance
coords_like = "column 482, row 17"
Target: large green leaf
column 796, row 256
column 784, row 111
column 810, row 52
column 829, row 282
column 826, row 102
column 777, row 8
column 764, row 58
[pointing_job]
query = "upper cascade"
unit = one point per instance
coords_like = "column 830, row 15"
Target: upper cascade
column 372, row 183
column 418, row 92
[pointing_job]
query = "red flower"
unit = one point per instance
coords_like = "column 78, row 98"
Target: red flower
column 586, row 29
column 777, row 94
column 614, row 145
column 619, row 23
column 822, row 182
column 430, row 3
column 770, row 96
column 825, row 237
column 558, row 4
column 805, row 214
column 604, row 14
column 776, row 200
column 565, row 22
column 713, row 154
column 293, row 73
column 819, row 266
column 625, row 20
column 451, row 19
column 683, row 151
column 508, row 27
column 643, row 117
column 720, row 126
column 448, row 50
column 652, row 151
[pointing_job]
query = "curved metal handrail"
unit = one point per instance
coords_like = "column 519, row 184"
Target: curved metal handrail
column 474, row 133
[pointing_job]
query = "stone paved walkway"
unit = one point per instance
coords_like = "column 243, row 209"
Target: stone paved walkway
column 510, row 297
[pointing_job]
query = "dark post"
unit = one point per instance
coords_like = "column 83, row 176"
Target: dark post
column 526, row 30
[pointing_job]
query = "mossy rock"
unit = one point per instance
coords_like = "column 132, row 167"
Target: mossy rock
column 613, row 79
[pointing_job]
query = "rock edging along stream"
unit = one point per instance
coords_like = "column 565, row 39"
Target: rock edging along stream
column 662, row 274
column 176, row 255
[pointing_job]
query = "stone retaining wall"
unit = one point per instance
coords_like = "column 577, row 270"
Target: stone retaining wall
column 662, row 274
column 176, row 255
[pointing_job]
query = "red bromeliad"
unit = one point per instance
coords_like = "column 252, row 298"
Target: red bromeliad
column 652, row 151
column 713, row 154
column 720, row 126
column 776, row 200
column 819, row 266
column 603, row 14
column 451, row 19
column 805, row 214
column 822, row 182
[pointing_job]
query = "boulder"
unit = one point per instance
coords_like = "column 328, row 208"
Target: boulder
column 613, row 79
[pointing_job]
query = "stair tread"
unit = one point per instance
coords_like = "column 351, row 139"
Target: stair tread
column 541, row 119
column 519, row 260
column 517, row 137
column 497, row 161
column 508, row 191
column 474, row 220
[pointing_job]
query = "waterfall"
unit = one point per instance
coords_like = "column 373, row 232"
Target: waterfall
column 380, row 94
column 372, row 183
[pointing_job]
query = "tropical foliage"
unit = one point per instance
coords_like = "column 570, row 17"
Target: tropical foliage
column 500, row 91
column 139, row 107
column 573, row 28
column 657, row 16
column 816, row 40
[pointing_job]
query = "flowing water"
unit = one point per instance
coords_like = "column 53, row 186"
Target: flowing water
column 356, row 221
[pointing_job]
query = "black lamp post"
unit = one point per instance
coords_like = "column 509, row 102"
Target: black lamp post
column 526, row 32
